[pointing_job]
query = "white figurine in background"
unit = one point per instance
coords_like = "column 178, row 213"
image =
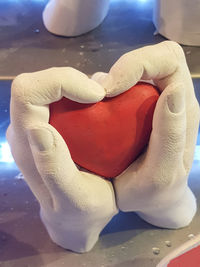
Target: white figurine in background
column 74, row 17
column 178, row 20
column 75, row 205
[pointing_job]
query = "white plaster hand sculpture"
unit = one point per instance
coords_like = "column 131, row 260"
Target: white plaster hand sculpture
column 75, row 205
column 74, row 17
column 155, row 185
column 72, row 207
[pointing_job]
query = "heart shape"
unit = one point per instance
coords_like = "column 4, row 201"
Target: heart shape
column 106, row 137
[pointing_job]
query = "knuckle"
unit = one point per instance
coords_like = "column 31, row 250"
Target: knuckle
column 17, row 82
column 176, row 49
column 60, row 69
column 71, row 72
column 70, row 69
column 19, row 87
column 129, row 58
column 123, row 65
column 122, row 60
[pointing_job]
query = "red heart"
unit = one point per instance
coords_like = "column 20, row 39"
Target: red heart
column 108, row 136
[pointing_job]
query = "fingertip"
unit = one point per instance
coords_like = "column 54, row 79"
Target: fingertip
column 109, row 85
column 106, row 81
column 115, row 86
column 95, row 92
column 99, row 77
column 80, row 88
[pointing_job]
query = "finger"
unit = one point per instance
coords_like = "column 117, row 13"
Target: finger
column 155, row 63
column 23, row 157
column 68, row 186
column 167, row 142
column 47, row 86
column 157, row 168
column 99, row 77
column 52, row 159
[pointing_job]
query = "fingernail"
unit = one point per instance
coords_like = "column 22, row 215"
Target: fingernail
column 42, row 139
column 176, row 100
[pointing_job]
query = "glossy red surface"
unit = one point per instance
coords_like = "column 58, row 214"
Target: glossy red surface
column 108, row 136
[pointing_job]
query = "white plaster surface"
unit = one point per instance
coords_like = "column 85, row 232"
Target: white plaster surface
column 155, row 185
column 76, row 205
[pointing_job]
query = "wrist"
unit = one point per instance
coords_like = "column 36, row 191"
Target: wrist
column 176, row 215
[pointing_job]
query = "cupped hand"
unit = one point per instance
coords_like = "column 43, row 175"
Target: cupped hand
column 156, row 184
column 75, row 205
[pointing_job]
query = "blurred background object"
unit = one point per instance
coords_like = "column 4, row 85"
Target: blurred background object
column 26, row 45
column 178, row 20
column 74, row 17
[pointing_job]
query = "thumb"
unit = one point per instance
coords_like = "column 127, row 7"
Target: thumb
column 167, row 142
column 53, row 160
